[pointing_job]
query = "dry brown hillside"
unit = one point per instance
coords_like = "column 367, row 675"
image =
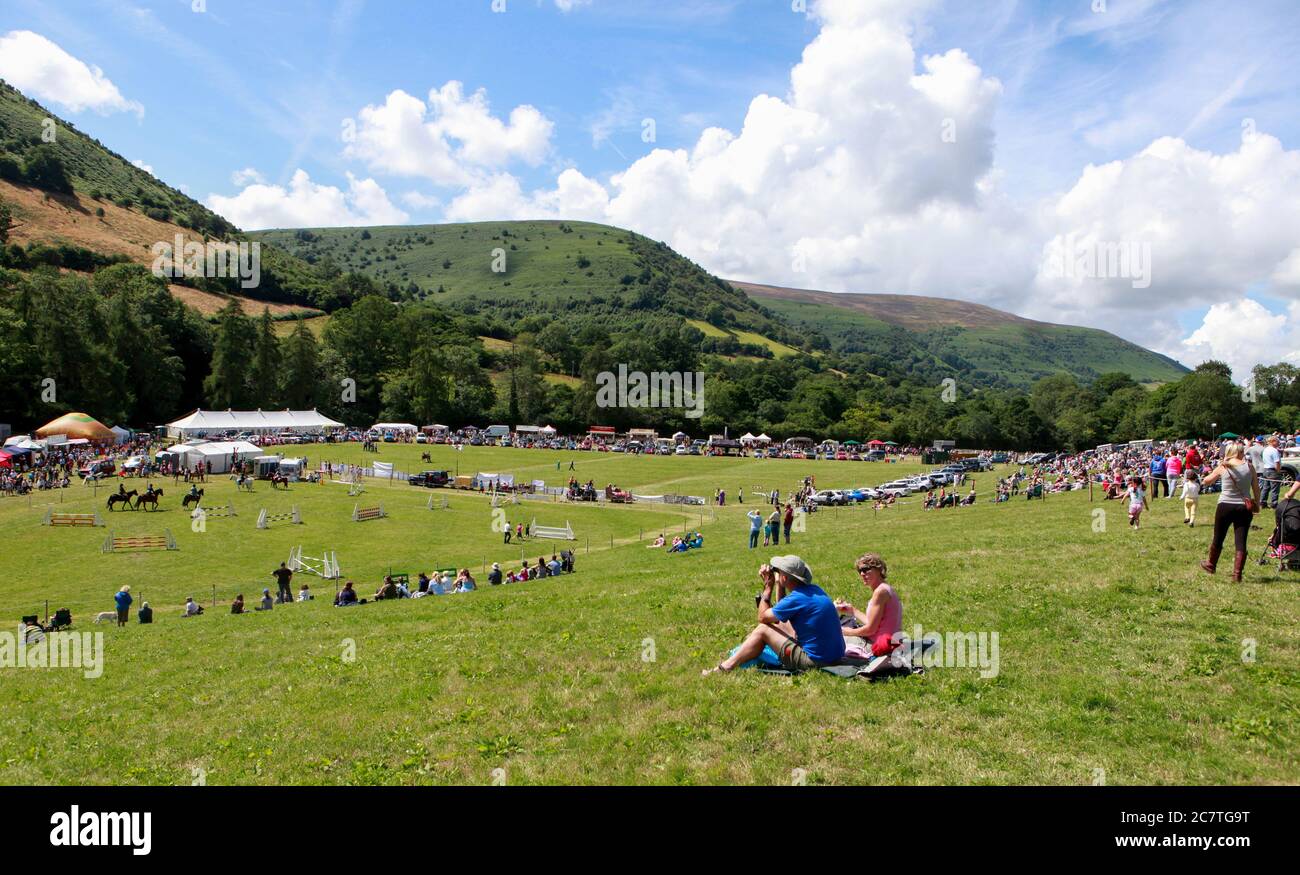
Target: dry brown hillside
column 54, row 219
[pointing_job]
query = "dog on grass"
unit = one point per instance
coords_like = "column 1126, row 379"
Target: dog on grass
column 106, row 617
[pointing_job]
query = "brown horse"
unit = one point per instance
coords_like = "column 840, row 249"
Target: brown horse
column 122, row 498
column 196, row 499
column 279, row 480
column 151, row 496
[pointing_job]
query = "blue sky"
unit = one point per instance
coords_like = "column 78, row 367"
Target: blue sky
column 244, row 106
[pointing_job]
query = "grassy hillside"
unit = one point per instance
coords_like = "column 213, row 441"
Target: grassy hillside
column 1115, row 651
column 987, row 345
column 511, row 270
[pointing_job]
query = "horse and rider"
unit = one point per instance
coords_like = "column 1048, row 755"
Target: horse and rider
column 194, row 496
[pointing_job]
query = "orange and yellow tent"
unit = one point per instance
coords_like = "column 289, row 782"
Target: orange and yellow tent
column 77, row 425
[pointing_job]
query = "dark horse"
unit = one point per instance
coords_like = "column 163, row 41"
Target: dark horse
column 151, row 496
column 196, row 499
column 122, row 498
column 279, row 480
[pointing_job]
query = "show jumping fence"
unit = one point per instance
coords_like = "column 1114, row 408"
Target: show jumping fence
column 72, row 519
column 362, row 514
column 264, row 519
column 134, row 543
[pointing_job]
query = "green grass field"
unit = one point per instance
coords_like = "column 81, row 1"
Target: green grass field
column 1116, row 653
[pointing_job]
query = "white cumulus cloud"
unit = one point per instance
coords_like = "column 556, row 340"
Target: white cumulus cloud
column 1243, row 333
column 450, row 139
column 306, row 204
column 43, row 70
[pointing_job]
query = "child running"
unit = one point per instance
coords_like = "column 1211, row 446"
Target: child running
column 1191, row 494
column 1137, row 502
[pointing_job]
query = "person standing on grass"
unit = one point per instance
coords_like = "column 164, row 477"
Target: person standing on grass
column 1173, row 468
column 1137, row 501
column 282, row 577
column 1191, row 497
column 1238, row 504
column 803, row 628
column 1269, row 473
column 789, row 520
column 123, row 602
column 755, row 521
column 1158, row 474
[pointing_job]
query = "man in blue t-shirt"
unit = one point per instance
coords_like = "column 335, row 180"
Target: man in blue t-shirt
column 803, row 628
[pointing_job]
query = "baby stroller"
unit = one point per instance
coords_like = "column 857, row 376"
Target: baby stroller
column 1284, row 544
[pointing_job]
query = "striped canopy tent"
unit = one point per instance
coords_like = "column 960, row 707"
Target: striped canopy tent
column 77, row 425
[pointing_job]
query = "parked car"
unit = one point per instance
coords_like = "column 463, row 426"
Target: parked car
column 827, row 497
column 429, row 479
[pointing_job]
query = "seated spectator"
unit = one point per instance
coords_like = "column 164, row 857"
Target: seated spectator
column 347, row 596
column 304, row 594
column 402, row 591
column 873, row 631
column 658, row 542
column 423, row 582
column 145, row 613
column 267, row 601
column 465, row 581
column 803, row 628
column 554, row 566
column 237, row 606
column 192, row 608
column 387, row 590
column 494, row 576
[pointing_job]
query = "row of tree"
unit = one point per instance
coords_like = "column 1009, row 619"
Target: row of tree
column 121, row 346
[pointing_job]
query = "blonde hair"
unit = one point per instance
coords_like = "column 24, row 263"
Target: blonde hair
column 868, row 561
column 1234, row 450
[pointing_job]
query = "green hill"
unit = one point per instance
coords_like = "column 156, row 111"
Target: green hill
column 988, row 346
column 512, row 270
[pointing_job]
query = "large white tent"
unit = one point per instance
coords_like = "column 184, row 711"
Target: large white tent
column 201, row 423
column 219, row 455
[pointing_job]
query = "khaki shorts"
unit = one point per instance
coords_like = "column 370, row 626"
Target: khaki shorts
column 794, row 658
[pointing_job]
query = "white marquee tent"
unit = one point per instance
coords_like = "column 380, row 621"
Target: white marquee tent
column 219, row 455
column 215, row 422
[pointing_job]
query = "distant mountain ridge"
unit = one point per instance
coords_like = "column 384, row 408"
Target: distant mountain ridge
column 991, row 346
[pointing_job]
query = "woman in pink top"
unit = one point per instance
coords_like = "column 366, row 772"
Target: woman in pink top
column 1173, row 468
column 883, row 618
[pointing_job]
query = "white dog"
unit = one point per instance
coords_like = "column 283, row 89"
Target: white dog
column 106, row 617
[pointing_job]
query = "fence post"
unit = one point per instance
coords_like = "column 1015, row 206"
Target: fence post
column 214, row 596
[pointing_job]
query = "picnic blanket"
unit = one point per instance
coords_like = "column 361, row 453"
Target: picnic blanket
column 905, row 660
